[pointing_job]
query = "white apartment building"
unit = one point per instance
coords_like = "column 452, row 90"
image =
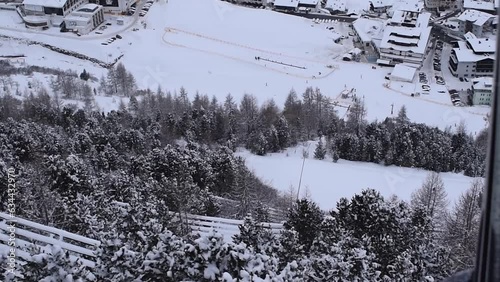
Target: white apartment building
column 60, row 8
column 85, row 19
column 475, row 21
column 405, row 39
column 473, row 57
column 482, row 90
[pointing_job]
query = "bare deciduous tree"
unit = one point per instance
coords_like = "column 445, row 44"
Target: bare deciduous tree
column 462, row 225
column 432, row 197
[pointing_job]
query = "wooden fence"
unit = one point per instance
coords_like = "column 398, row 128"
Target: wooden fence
column 227, row 227
column 27, row 233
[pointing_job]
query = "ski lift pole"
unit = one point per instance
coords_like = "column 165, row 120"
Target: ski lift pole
column 301, row 171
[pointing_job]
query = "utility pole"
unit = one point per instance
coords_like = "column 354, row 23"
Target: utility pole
column 300, row 179
column 302, row 170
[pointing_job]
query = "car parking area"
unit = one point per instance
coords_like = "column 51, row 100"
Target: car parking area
column 436, row 60
column 145, row 8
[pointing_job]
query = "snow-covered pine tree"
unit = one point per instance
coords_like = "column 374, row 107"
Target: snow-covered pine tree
column 283, row 131
column 305, row 218
column 402, row 117
column 257, row 143
column 112, row 82
column 253, row 234
column 85, row 75
column 320, row 151
column 273, row 141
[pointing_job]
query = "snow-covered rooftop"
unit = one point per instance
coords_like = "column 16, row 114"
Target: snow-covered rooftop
column 87, row 8
column 46, row 3
column 380, row 3
column 481, row 5
column 308, row 2
column 336, row 5
column 367, row 28
column 390, row 38
column 483, row 83
column 480, row 45
column 286, row 3
column 408, row 5
column 467, row 55
column 406, row 17
column 403, row 72
column 77, row 18
column 355, row 51
column 477, row 17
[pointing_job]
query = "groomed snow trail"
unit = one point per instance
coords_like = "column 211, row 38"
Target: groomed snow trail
column 250, row 60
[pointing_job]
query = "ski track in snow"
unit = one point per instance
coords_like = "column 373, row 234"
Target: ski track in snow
column 239, row 59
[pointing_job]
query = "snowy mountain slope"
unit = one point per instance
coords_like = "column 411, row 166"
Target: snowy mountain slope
column 327, row 182
column 210, row 46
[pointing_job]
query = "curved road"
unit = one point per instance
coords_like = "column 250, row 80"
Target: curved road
column 93, row 37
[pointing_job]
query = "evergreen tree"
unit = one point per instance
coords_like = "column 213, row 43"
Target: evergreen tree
column 283, row 132
column 84, row 75
column 320, row 151
column 252, row 234
column 133, row 105
column 402, row 117
column 305, row 218
column 112, row 82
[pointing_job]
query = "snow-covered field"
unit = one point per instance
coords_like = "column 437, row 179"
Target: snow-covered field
column 212, row 49
column 326, row 182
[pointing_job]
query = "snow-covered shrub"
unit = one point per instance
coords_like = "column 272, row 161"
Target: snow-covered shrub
column 56, row 265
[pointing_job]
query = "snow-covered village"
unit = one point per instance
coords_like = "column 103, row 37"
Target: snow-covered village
column 244, row 140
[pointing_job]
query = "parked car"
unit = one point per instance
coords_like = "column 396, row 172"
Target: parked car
column 461, row 79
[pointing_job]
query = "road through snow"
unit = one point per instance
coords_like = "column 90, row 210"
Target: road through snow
column 93, row 37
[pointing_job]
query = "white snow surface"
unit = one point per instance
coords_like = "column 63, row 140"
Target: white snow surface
column 327, row 182
column 214, row 51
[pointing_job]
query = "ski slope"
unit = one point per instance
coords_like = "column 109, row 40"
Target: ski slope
column 327, row 182
column 211, row 46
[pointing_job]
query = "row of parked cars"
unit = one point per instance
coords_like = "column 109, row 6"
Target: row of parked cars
column 439, row 79
column 144, row 10
column 455, row 98
column 437, row 55
column 112, row 39
column 422, row 77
